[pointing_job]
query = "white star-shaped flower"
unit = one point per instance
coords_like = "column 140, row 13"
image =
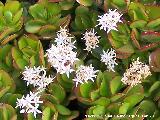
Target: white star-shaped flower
column 136, row 73
column 109, row 58
column 62, row 58
column 64, row 37
column 84, row 74
column 109, row 20
column 91, row 40
column 36, row 76
column 30, row 103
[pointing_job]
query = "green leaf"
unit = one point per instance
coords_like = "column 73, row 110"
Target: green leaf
column 16, row 53
column 152, row 11
column 85, row 89
column 57, row 91
column 115, row 84
column 155, row 86
column 8, row 60
column 11, row 99
column 85, row 2
column 95, row 94
column 30, row 116
column 66, row 5
column 46, row 114
column 78, row 23
column 3, row 91
column 8, row 16
column 32, row 42
column 135, row 89
column 17, row 16
column 117, row 97
column 104, row 88
column 99, row 78
column 80, row 10
column 138, row 24
column 12, row 6
column 86, row 21
column 21, row 63
column 62, row 110
column 6, row 80
column 22, row 43
column 124, row 108
column 134, row 99
column 154, row 23
column 119, row 3
column 148, row 106
column 128, row 48
column 99, row 110
column 33, row 26
column 38, row 11
column 4, row 51
column 53, row 9
column 28, row 51
column 137, row 11
column 103, row 101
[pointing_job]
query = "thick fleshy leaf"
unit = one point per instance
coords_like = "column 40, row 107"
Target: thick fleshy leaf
column 21, row 63
column 33, row 26
column 6, row 80
column 66, row 5
column 124, row 108
column 16, row 53
column 138, row 24
column 17, row 16
column 57, row 91
column 144, row 105
column 137, row 11
column 150, row 36
column 53, row 9
column 103, row 101
column 115, row 84
column 120, row 3
column 9, row 6
column 99, row 110
column 8, row 16
column 38, row 11
column 46, row 114
column 62, row 110
column 154, row 23
column 86, row 88
column 85, row 2
column 134, row 99
column 95, row 94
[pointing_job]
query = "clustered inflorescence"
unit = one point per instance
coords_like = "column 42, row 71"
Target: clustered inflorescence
column 136, row 73
column 91, row 40
column 85, row 73
column 62, row 56
column 35, row 76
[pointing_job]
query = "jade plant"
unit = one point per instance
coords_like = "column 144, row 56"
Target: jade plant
column 79, row 60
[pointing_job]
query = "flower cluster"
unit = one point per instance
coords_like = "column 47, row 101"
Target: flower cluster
column 30, row 103
column 64, row 37
column 109, row 20
column 91, row 40
column 36, row 76
column 84, row 74
column 61, row 56
column 136, row 73
column 109, row 58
